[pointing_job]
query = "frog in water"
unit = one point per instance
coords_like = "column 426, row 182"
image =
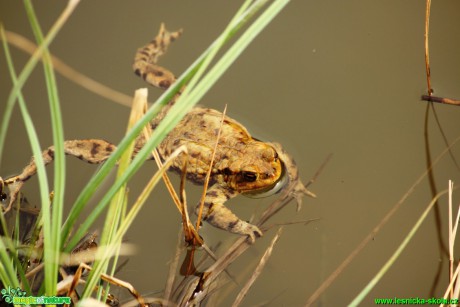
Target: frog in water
column 242, row 164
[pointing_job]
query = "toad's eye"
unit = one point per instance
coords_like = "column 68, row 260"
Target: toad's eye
column 249, row 176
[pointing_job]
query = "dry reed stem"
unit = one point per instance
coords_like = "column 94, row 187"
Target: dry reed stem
column 178, row 201
column 173, row 268
column 167, row 181
column 427, row 54
column 70, row 73
column 451, row 283
column 451, row 238
column 258, row 269
column 453, row 275
column 208, row 174
column 430, row 91
column 77, row 279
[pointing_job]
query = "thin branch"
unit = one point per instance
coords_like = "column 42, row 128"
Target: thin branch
column 263, row 261
column 208, row 175
column 441, row 100
column 70, row 73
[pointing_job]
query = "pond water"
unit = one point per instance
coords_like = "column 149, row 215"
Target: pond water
column 329, row 77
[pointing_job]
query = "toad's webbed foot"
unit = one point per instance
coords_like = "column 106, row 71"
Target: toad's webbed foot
column 145, row 61
column 145, row 66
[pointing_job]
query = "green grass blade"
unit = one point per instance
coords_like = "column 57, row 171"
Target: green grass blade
column 7, row 269
column 7, row 272
column 36, row 148
column 52, row 219
column 31, row 132
column 110, row 248
column 117, row 208
column 360, row 297
column 232, row 54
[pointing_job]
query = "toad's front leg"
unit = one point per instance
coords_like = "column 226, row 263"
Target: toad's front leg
column 216, row 214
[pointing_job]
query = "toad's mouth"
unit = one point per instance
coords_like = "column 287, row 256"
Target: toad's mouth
column 276, row 187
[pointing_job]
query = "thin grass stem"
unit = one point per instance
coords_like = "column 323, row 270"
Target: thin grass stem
column 360, row 297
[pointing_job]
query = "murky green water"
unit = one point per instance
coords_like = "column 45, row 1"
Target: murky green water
column 331, row 77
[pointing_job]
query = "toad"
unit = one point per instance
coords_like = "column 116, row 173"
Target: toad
column 242, row 164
